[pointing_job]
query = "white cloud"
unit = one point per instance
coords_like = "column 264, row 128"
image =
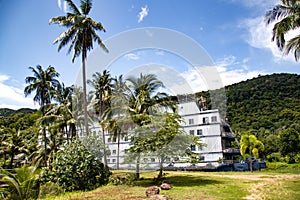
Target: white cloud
column 233, row 71
column 260, row 35
column 131, row 56
column 143, row 13
column 13, row 97
column 229, row 69
column 65, row 5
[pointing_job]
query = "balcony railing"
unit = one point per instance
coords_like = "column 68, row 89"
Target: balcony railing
column 227, row 134
column 231, row 150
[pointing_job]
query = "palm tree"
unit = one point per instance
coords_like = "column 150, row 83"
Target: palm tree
column 44, row 83
column 287, row 17
column 116, row 116
column 251, row 145
column 144, row 100
column 102, row 83
column 81, row 33
column 20, row 186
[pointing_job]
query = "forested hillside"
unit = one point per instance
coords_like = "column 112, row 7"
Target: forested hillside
column 270, row 102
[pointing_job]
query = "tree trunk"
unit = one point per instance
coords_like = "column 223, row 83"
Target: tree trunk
column 137, row 169
column 161, row 167
column 104, row 146
column 84, row 94
column 118, row 153
column 12, row 155
column 250, row 163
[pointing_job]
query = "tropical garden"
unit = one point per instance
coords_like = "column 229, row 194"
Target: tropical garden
column 53, row 150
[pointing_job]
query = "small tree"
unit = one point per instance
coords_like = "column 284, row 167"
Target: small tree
column 289, row 143
column 250, row 145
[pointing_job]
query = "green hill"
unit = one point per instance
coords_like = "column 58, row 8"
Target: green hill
column 7, row 111
column 270, row 102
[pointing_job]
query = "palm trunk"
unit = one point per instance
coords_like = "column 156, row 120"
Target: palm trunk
column 12, row 155
column 84, row 94
column 104, row 146
column 137, row 169
column 250, row 163
column 118, row 153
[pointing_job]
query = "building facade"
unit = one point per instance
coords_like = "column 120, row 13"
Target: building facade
column 208, row 125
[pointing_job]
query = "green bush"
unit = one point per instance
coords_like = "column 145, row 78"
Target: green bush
column 75, row 168
column 50, row 189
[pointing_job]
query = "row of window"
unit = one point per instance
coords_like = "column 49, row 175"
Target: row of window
column 199, row 132
column 145, row 160
column 194, row 148
column 205, row 120
column 115, row 139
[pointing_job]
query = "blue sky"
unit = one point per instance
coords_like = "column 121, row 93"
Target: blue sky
column 232, row 32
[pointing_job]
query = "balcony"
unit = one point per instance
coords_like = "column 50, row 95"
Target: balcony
column 227, row 134
column 231, row 151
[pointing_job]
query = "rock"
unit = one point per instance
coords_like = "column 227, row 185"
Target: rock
column 165, row 186
column 153, row 190
column 159, row 197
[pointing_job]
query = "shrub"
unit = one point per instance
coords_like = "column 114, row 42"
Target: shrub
column 51, row 189
column 75, row 168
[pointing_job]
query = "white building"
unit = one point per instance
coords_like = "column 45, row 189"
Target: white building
column 209, row 125
column 212, row 130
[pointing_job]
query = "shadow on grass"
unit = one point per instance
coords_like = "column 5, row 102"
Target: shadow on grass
column 181, row 181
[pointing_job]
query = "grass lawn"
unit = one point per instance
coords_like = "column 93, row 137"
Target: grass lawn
column 204, row 185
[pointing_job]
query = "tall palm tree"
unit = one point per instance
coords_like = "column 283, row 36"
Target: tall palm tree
column 144, row 100
column 44, row 83
column 81, row 32
column 116, row 116
column 287, row 18
column 102, row 83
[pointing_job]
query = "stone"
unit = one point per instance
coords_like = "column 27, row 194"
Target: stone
column 159, row 197
column 165, row 186
column 152, row 190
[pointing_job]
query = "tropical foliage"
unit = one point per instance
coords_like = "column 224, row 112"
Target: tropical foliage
column 81, row 34
column 286, row 17
column 21, row 185
column 75, row 168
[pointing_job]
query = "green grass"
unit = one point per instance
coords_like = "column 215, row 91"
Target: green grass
column 265, row 184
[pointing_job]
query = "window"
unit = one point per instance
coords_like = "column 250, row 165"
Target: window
column 199, row 132
column 193, row 148
column 152, row 159
column 200, row 148
column 205, row 120
column 126, row 151
column 202, row 158
column 114, row 139
column 114, row 152
column 126, row 138
column 113, row 160
column 109, row 139
column 214, row 119
column 192, row 132
column 108, row 160
column 191, row 121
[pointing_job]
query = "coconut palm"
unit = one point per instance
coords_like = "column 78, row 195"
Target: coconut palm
column 144, row 100
column 102, row 83
column 287, row 17
column 250, row 145
column 117, row 120
column 44, row 83
column 80, row 33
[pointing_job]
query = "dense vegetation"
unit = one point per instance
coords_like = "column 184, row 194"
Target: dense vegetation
column 265, row 107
